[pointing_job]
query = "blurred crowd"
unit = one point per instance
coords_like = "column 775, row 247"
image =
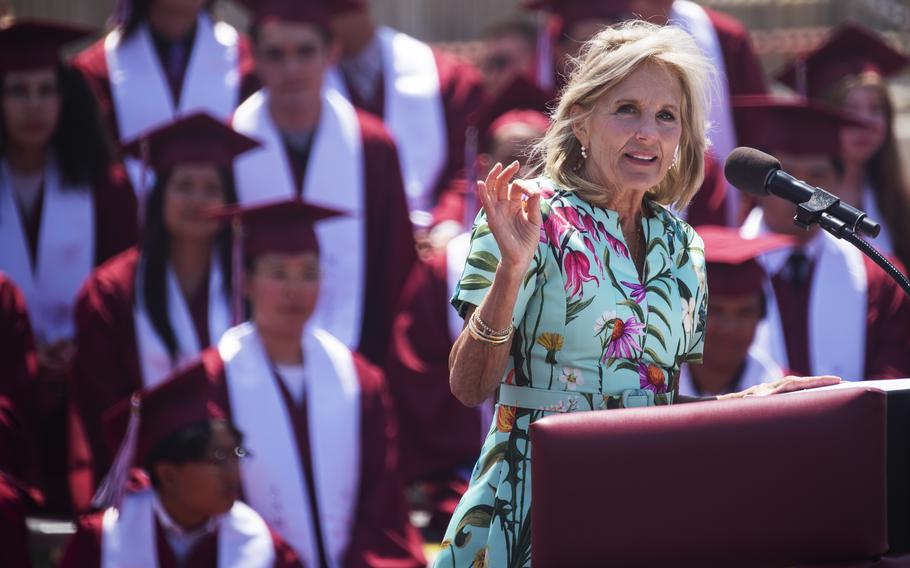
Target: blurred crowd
column 181, row 202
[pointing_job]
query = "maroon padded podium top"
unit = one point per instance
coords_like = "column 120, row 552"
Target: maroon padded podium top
column 767, row 481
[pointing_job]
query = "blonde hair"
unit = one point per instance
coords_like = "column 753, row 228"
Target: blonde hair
column 604, row 62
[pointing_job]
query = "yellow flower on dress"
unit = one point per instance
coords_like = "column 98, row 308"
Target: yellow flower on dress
column 505, row 418
column 552, row 342
column 480, row 558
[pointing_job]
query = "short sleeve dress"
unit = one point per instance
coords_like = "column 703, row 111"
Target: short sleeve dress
column 589, row 335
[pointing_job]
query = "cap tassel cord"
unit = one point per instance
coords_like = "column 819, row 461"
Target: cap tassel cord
column 112, row 489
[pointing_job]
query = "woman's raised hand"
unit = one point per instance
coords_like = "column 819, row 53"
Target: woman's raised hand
column 513, row 214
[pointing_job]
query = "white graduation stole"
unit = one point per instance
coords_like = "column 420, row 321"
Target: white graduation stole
column 65, row 253
column 837, row 308
column 154, row 359
column 692, row 18
column 273, row 479
column 335, row 179
column 413, row 112
column 128, row 536
column 139, row 87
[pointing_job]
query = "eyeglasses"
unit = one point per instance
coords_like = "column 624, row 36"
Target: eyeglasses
column 222, row 457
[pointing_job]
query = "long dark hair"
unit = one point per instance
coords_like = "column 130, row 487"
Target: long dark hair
column 184, row 446
column 139, row 10
column 80, row 142
column 885, row 168
column 155, row 250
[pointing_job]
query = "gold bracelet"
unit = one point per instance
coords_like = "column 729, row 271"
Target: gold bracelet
column 485, row 338
column 487, row 330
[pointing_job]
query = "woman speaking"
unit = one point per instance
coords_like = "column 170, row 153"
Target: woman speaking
column 582, row 291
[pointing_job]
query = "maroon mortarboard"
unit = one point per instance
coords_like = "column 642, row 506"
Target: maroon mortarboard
column 315, row 12
column 192, row 139
column 791, row 125
column 342, row 6
column 286, row 226
column 136, row 426
column 27, row 43
column 851, row 49
column 570, row 12
column 731, row 260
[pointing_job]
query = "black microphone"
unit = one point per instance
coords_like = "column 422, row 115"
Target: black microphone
column 758, row 173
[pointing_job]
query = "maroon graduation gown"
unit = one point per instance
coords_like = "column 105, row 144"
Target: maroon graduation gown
column 461, row 91
column 708, row 207
column 92, row 62
column 887, row 325
column 390, row 245
column 84, row 548
column 107, row 359
column 438, row 433
column 18, row 361
column 382, row 536
column 14, row 533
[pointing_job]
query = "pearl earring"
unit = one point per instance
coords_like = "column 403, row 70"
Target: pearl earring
column 584, row 153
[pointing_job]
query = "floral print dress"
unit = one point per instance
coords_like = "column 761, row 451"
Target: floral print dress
column 589, row 334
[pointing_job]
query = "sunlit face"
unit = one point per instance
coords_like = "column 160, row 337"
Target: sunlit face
column 207, row 486
column 512, row 142
column 504, row 58
column 291, row 61
column 814, row 169
column 860, row 144
column 191, row 193
column 31, row 107
column 283, row 289
column 634, row 131
column 731, row 329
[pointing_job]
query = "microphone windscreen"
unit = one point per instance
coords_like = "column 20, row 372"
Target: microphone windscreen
column 748, row 169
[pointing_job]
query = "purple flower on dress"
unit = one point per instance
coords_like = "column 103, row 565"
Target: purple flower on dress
column 617, row 245
column 638, row 291
column 652, row 377
column 622, row 339
column 578, row 270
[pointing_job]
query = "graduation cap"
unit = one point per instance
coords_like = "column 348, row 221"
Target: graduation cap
column 850, row 50
column 522, row 95
column 286, row 226
column 27, row 43
column 194, row 138
column 571, row 12
column 135, row 427
column 315, row 12
column 732, row 261
column 791, row 125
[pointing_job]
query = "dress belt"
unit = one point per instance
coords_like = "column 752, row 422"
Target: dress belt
column 532, row 398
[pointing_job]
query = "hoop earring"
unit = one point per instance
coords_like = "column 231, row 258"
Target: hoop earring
column 584, row 153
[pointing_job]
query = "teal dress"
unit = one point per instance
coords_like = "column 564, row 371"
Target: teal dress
column 589, row 335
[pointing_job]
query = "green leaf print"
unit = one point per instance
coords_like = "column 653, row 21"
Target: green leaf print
column 631, row 304
column 474, row 282
column 655, row 242
column 483, row 260
column 627, row 366
column 576, row 307
column 650, row 353
column 496, row 455
column 477, row 516
column 653, row 288
column 481, row 231
column 654, row 332
column 659, row 313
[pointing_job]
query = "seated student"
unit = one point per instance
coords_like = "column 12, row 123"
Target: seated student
column 153, row 308
column 736, row 305
column 316, row 415
column 831, row 310
column 65, row 208
column 191, row 515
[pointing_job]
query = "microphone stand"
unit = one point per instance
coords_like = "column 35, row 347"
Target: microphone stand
column 816, row 211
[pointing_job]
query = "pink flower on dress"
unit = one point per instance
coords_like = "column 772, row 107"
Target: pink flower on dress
column 617, row 245
column 570, row 214
column 589, row 226
column 555, row 226
column 638, row 291
column 578, row 271
column 622, row 339
column 590, row 246
column 652, row 377
column 546, row 192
